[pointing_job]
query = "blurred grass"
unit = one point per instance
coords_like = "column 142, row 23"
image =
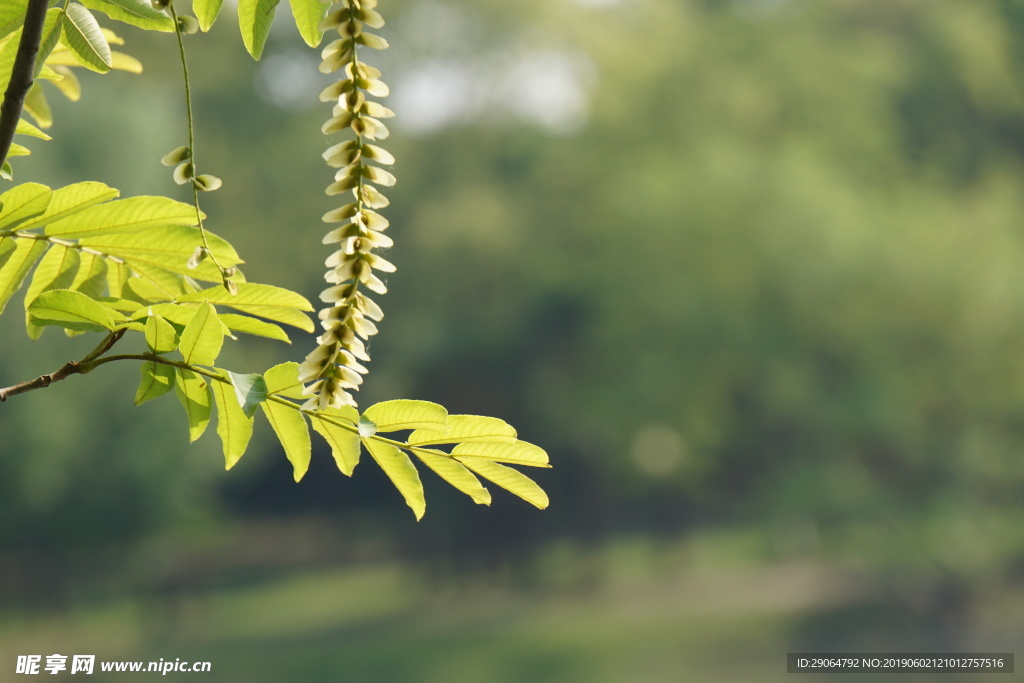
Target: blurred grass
column 707, row 609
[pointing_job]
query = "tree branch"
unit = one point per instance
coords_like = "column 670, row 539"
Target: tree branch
column 22, row 77
column 74, row 367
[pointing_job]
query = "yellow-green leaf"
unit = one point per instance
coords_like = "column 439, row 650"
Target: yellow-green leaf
column 17, row 263
column 308, row 15
column 70, row 200
column 135, row 12
column 194, row 394
column 518, row 453
column 160, row 335
column 124, row 215
column 234, row 427
column 509, row 479
column 283, row 380
column 290, row 427
column 203, row 337
column 455, row 474
column 266, row 301
column 250, row 391
column 400, row 471
column 465, row 428
column 206, row 12
column 390, row 416
column 260, row 328
column 344, row 443
column 83, row 37
column 254, row 20
column 157, row 380
column 23, row 202
column 73, row 311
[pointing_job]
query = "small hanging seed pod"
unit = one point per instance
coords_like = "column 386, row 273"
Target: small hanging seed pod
column 183, row 173
column 188, row 25
column 231, row 287
column 207, row 182
column 160, row 4
column 176, row 156
column 198, row 256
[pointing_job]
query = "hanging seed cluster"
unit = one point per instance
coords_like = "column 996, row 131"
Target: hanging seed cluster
column 333, row 369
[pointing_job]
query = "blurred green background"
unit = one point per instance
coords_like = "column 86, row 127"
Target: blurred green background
column 751, row 270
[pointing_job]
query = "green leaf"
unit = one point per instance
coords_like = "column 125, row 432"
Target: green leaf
column 134, row 12
column 7, row 247
column 69, row 86
column 12, row 16
column 26, row 128
column 290, row 427
column 157, row 380
column 160, row 335
column 308, row 15
column 194, row 394
column 266, row 301
column 51, row 33
column 91, row 278
column 119, row 61
column 206, row 12
column 390, row 416
column 8, row 51
column 17, row 265
column 56, row 270
column 518, row 453
column 283, row 379
column 37, row 106
column 124, row 215
column 70, row 200
column 247, row 325
column 456, row 474
column 510, row 480
column 83, row 37
column 22, row 203
column 366, row 426
column 344, row 443
column 203, row 337
column 464, row 428
column 250, row 391
column 72, row 310
column 254, row 20
column 166, row 249
column 234, row 426
column 401, row 472
column 175, row 313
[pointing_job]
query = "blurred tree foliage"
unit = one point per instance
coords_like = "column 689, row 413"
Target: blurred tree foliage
column 772, row 276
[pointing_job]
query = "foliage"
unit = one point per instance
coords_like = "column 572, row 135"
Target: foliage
column 147, row 266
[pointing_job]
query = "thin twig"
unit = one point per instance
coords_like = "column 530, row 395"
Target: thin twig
column 74, row 367
column 22, row 74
